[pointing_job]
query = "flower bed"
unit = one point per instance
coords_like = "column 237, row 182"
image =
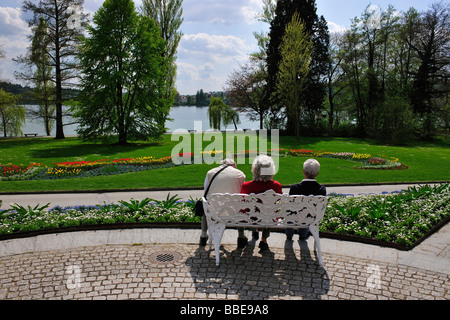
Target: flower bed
column 77, row 169
column 397, row 218
column 401, row 218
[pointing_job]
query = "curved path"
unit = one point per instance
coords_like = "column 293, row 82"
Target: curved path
column 169, row 264
column 86, row 198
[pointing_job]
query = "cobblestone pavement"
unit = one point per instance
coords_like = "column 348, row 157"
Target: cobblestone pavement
column 179, row 271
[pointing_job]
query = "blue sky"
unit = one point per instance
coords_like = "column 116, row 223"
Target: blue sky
column 218, row 34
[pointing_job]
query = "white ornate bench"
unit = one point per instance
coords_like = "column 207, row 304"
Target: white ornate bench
column 266, row 210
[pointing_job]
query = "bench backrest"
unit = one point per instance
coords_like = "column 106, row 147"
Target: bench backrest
column 269, row 209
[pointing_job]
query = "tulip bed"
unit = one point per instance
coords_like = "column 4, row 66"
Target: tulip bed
column 78, row 169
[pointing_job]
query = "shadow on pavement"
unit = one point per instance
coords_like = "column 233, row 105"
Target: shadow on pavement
column 250, row 275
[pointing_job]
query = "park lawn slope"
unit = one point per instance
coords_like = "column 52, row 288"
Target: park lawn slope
column 425, row 161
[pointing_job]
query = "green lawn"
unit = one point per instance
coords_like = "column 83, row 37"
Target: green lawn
column 427, row 161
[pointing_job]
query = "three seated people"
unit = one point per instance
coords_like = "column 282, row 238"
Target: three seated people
column 263, row 169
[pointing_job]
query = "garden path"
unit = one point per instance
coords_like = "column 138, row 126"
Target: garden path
column 94, row 198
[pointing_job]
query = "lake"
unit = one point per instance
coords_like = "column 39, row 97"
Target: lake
column 184, row 117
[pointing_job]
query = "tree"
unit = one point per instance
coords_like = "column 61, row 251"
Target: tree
column 432, row 48
column 366, row 58
column 392, row 122
column 200, row 98
column 246, row 89
column 38, row 71
column 167, row 14
column 318, row 31
column 12, row 116
column 335, row 83
column 220, row 113
column 65, row 23
column 124, row 72
column 296, row 51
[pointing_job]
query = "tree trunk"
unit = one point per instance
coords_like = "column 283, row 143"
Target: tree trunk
column 59, row 119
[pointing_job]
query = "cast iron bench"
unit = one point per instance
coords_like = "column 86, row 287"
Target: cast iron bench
column 266, row 210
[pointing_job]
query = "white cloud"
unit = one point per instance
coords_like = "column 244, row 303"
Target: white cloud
column 205, row 61
column 13, row 40
column 250, row 10
column 229, row 12
column 336, row 28
column 11, row 22
column 215, row 48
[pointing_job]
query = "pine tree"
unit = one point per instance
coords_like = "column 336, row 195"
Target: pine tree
column 318, row 30
column 65, row 23
column 296, row 51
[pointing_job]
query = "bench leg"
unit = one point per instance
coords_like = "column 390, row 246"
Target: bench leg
column 216, row 231
column 315, row 233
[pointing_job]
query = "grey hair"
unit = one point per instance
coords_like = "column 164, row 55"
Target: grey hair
column 229, row 162
column 263, row 168
column 311, row 168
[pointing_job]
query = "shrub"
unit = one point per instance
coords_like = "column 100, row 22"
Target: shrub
column 392, row 122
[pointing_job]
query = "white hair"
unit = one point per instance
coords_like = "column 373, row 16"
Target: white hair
column 311, row 168
column 263, row 168
column 229, row 162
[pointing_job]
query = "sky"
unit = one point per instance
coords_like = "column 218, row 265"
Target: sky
column 217, row 35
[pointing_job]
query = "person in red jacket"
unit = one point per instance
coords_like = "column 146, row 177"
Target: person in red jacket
column 263, row 169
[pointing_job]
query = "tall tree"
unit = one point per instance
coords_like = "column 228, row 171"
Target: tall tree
column 124, row 76
column 432, row 47
column 167, row 14
column 318, row 30
column 335, row 83
column 65, row 23
column 38, row 71
column 296, row 51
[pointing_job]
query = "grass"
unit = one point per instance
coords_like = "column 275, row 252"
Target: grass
column 426, row 161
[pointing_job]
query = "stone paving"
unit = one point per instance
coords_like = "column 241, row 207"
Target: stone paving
column 187, row 271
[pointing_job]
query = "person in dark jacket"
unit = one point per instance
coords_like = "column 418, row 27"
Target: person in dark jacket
column 309, row 186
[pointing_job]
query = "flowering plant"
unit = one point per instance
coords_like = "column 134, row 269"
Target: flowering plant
column 399, row 217
column 68, row 169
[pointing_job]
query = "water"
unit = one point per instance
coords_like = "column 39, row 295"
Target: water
column 184, row 117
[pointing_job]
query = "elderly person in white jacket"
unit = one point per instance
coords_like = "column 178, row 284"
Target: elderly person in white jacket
column 228, row 181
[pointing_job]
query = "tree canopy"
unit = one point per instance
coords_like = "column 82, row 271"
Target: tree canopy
column 124, row 76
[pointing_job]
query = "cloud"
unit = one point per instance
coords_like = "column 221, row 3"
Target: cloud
column 250, row 9
column 229, row 12
column 13, row 40
column 336, row 28
column 205, row 61
column 215, row 48
column 11, row 23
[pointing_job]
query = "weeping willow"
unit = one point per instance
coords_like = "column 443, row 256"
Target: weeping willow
column 220, row 113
